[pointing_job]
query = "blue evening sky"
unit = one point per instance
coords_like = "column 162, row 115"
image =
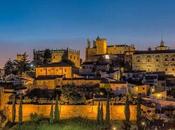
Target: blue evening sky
column 29, row 24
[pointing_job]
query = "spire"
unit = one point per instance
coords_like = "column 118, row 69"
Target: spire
column 162, row 42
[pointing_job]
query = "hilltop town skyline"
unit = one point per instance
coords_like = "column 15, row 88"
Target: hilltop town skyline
column 28, row 25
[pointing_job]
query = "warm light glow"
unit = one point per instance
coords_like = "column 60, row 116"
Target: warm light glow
column 107, row 57
column 152, row 90
column 159, row 95
column 114, row 128
column 143, row 123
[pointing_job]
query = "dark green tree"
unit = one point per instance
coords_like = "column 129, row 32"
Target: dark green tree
column 102, row 113
column 108, row 109
column 51, row 114
column 139, row 112
column 70, row 94
column 9, row 67
column 127, row 115
column 20, row 112
column 14, row 108
column 22, row 66
column 98, row 113
column 35, row 118
column 57, row 112
column 47, row 56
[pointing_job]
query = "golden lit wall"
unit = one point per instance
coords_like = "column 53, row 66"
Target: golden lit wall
column 90, row 52
column 20, row 57
column 48, row 71
column 53, row 83
column 154, row 62
column 56, row 57
column 71, row 111
column 79, row 82
column 114, row 86
column 1, row 98
column 49, row 84
column 101, row 45
column 139, row 89
column 74, row 57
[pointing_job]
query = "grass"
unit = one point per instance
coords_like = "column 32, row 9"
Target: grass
column 70, row 124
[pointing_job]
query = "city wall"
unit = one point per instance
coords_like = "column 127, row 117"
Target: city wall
column 71, row 111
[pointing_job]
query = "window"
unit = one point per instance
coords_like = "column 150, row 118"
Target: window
column 157, row 60
column 166, row 59
column 138, row 60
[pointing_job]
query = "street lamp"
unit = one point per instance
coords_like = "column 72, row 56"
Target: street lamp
column 107, row 57
column 143, row 124
column 114, row 128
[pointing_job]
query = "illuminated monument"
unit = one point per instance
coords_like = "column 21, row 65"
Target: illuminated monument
column 100, row 47
column 162, row 59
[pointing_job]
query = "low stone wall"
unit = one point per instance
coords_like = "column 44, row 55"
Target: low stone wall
column 71, row 111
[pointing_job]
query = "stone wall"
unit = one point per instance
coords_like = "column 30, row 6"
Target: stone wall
column 71, row 111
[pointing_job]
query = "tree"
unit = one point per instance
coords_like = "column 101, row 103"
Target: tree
column 57, row 112
column 22, row 66
column 51, row 114
column 35, row 118
column 108, row 109
column 14, row 108
column 139, row 111
column 98, row 113
column 20, row 111
column 9, row 67
column 70, row 94
column 101, row 112
column 127, row 115
column 47, row 56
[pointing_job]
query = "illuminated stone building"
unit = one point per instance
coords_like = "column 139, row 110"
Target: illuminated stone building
column 100, row 47
column 162, row 59
column 48, row 75
column 60, row 69
column 59, row 55
column 21, row 57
